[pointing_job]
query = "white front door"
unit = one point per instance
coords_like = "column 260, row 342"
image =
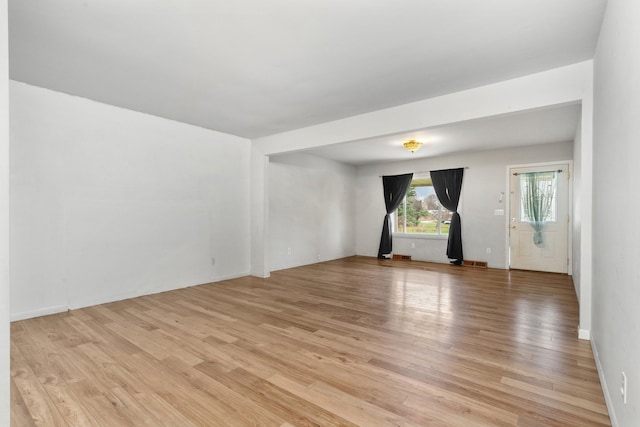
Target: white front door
column 539, row 218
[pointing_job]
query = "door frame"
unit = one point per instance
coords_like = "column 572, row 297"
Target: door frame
column 507, row 206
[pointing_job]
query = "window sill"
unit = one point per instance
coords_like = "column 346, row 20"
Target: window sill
column 420, row 236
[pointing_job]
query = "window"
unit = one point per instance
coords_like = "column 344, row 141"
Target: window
column 421, row 212
column 538, row 196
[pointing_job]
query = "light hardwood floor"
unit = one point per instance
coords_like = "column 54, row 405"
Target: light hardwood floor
column 349, row 342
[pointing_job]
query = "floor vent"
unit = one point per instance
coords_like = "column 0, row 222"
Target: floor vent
column 475, row 264
column 402, row 257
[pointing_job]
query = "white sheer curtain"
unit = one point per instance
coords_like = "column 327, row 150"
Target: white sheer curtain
column 537, row 196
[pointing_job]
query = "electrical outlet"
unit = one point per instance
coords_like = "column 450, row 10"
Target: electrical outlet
column 413, row 245
column 488, row 251
column 623, row 387
column 288, row 251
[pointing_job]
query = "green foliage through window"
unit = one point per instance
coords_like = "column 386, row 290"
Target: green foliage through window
column 421, row 211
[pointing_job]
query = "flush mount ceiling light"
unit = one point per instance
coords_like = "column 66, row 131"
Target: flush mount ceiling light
column 412, row 145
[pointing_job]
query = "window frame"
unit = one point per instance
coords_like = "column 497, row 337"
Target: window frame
column 418, row 181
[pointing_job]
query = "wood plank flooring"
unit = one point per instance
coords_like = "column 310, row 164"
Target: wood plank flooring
column 350, row 342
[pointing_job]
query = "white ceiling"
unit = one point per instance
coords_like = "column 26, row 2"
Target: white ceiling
column 254, row 68
column 541, row 126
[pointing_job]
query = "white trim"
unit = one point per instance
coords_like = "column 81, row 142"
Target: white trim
column 107, row 299
column 584, row 334
column 54, row 309
column 144, row 292
column 262, row 275
column 570, row 224
column 605, row 388
column 507, row 216
column 533, row 165
column 227, row 277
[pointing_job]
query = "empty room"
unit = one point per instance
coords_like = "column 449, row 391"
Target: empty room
column 414, row 213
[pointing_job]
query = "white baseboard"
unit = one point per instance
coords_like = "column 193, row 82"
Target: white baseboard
column 584, row 334
column 605, row 388
column 89, row 302
column 261, row 275
column 229, row 277
column 105, row 299
column 45, row 311
column 143, row 292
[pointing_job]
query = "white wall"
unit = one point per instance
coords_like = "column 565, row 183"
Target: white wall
column 311, row 210
column 577, row 210
column 483, row 182
column 616, row 231
column 259, row 213
column 107, row 203
column 4, row 219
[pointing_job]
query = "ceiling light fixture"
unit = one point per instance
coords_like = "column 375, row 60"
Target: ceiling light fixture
column 412, row 145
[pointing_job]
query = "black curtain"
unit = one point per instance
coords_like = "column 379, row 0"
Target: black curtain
column 395, row 187
column 447, row 184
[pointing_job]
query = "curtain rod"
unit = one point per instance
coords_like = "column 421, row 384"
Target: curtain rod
column 466, row 167
column 516, row 173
